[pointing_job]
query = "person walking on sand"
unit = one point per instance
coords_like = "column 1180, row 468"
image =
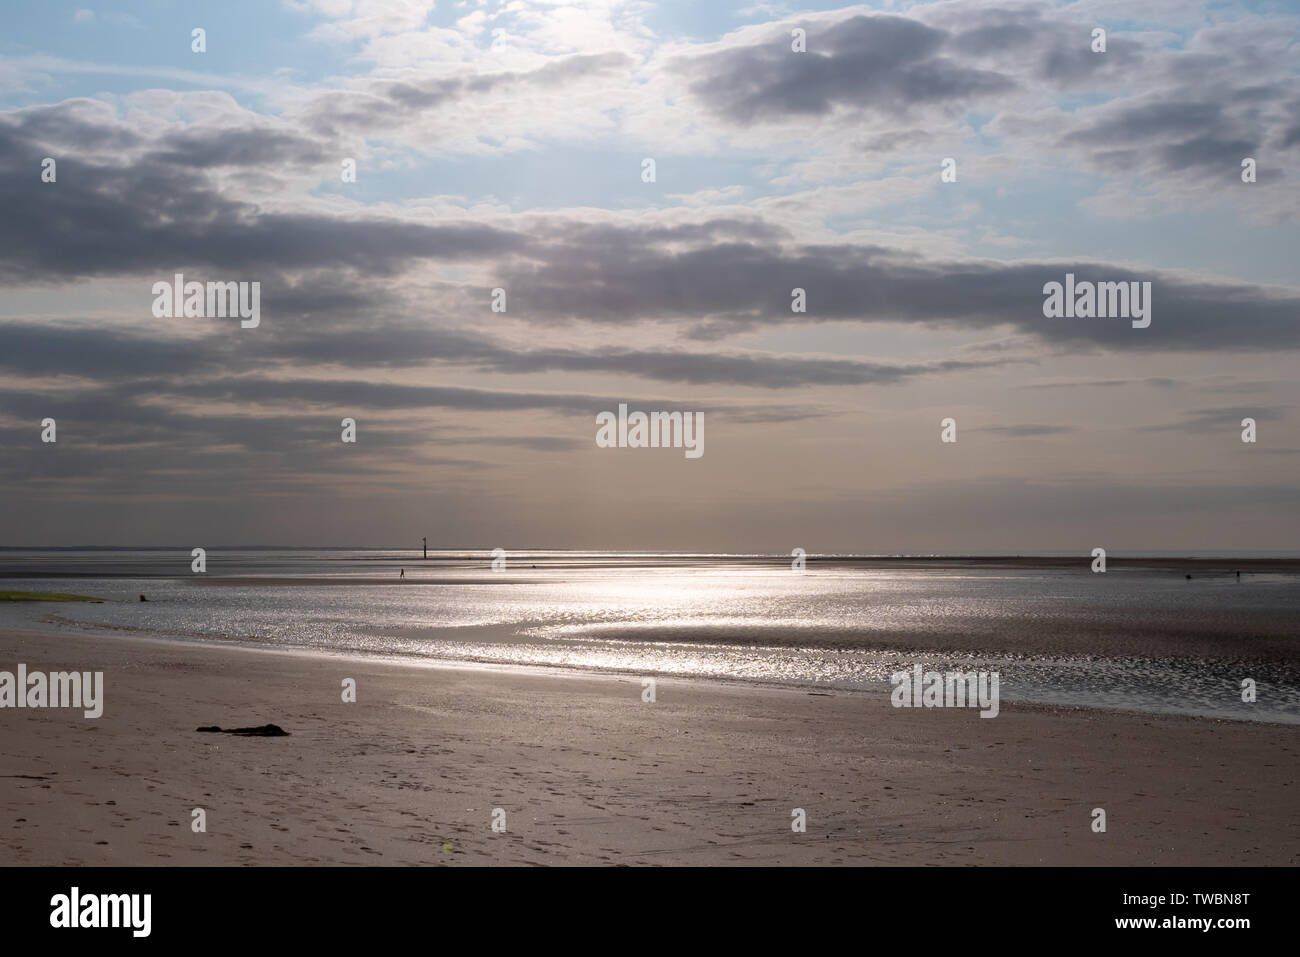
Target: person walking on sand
column 403, row 575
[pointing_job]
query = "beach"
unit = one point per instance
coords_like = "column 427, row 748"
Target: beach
column 587, row 772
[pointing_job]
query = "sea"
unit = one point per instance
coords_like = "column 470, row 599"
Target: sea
column 1160, row 635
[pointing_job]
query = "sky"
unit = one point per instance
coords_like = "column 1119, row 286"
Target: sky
column 506, row 146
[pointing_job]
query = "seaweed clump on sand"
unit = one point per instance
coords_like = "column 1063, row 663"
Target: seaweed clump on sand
column 261, row 731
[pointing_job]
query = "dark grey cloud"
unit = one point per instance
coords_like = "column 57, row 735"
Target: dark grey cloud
column 77, row 125
column 996, row 31
column 174, row 438
column 153, row 216
column 1198, row 113
column 1039, row 45
column 1177, row 135
column 114, row 442
column 1291, row 137
column 768, row 372
column 1161, row 382
column 187, row 418
column 41, row 351
column 262, row 147
column 102, row 352
column 387, row 396
column 538, row 443
column 1027, row 430
column 742, row 285
column 946, row 58
column 885, row 63
column 129, row 439
column 408, row 345
column 178, row 470
column 1216, row 420
column 1190, row 113
column 1163, row 118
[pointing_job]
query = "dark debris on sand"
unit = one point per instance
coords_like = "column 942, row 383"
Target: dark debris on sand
column 262, row 731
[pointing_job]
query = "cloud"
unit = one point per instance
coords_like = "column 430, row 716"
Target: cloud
column 265, row 147
column 887, row 64
column 138, row 366
column 155, row 216
column 1162, row 382
column 353, row 19
column 1216, row 420
column 1028, row 431
column 384, row 104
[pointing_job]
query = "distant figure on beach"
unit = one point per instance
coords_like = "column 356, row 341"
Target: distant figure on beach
column 403, row 575
column 142, row 598
column 1238, row 576
column 1189, row 577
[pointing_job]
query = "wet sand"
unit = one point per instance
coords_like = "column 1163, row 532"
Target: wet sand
column 588, row 773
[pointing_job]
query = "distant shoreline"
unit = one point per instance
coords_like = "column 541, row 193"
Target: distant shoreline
column 524, row 561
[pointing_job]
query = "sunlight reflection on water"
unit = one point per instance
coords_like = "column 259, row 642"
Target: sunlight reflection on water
column 847, row 629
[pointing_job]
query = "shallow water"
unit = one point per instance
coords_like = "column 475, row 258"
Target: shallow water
column 1140, row 639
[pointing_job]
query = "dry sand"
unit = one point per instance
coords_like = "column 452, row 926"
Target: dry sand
column 588, row 773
